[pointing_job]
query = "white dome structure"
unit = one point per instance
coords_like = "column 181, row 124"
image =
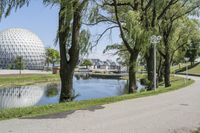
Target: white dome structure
column 17, row 42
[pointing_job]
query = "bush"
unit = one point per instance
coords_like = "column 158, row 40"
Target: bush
column 145, row 82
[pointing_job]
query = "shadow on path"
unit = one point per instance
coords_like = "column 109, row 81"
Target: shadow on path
column 63, row 114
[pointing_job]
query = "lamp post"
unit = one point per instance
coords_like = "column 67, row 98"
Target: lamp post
column 155, row 40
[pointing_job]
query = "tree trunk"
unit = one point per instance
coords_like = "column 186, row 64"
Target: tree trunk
column 66, row 80
column 150, row 61
column 66, row 84
column 132, row 72
column 160, row 70
column 167, row 68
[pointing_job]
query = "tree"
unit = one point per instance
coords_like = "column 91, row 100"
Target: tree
column 71, row 39
column 145, row 18
column 166, row 27
column 86, row 63
column 70, row 17
column 133, row 38
column 19, row 63
column 192, row 50
column 52, row 56
column 7, row 5
column 121, row 51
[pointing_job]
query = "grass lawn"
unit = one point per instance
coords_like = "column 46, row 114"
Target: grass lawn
column 28, row 79
column 20, row 80
column 197, row 131
column 195, row 70
column 177, row 67
column 177, row 83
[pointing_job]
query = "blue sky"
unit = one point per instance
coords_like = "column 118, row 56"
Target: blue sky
column 43, row 21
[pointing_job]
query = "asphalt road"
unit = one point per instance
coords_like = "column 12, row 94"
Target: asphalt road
column 173, row 112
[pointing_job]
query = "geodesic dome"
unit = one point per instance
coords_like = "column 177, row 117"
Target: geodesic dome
column 16, row 42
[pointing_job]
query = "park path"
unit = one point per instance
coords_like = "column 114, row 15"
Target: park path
column 173, row 112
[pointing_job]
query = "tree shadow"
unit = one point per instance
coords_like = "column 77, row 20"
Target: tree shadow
column 63, row 115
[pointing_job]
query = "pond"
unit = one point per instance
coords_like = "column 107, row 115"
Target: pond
column 48, row 93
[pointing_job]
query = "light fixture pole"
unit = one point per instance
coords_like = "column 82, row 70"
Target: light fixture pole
column 155, row 40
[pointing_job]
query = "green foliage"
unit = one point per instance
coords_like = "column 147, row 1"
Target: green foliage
column 119, row 50
column 52, row 56
column 18, row 63
column 86, row 63
column 193, row 48
column 84, row 42
column 137, row 35
column 7, row 5
column 182, row 34
column 145, row 81
column 52, row 90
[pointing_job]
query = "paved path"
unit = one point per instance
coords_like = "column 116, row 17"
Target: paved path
column 173, row 112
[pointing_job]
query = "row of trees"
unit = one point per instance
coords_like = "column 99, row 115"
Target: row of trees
column 136, row 20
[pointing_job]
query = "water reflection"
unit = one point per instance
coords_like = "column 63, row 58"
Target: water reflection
column 49, row 93
column 52, row 90
column 20, row 96
column 84, row 76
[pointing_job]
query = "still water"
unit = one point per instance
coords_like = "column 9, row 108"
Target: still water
column 48, row 93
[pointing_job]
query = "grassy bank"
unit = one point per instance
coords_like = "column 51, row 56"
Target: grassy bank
column 195, row 70
column 20, row 80
column 177, row 83
column 28, row 79
column 197, row 131
column 102, row 75
column 179, row 67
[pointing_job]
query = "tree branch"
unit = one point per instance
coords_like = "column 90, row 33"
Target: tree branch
column 103, row 33
column 120, row 4
column 121, row 28
column 166, row 8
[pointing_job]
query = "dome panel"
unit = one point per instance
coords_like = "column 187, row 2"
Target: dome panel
column 21, row 42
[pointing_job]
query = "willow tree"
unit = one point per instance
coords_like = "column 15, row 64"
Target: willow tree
column 69, row 34
column 7, row 5
column 134, row 37
column 152, row 14
column 184, row 32
column 166, row 26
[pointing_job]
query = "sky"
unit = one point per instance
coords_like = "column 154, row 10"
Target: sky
column 43, row 21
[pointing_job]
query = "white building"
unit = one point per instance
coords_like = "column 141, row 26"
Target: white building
column 17, row 42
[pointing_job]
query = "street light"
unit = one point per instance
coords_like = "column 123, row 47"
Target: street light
column 155, row 40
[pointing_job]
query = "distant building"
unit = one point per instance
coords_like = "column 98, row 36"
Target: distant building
column 107, row 65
